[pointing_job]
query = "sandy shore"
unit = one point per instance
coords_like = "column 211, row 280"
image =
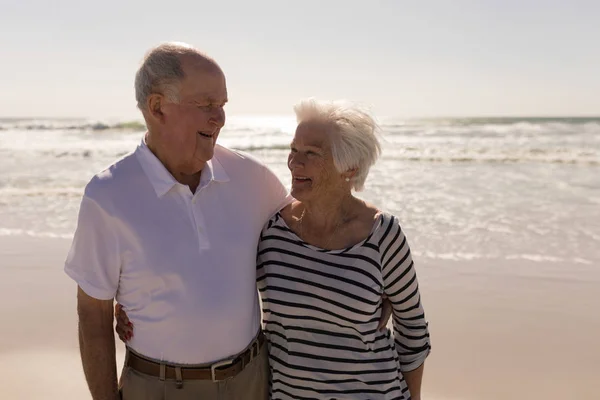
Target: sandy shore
column 518, row 330
column 39, row 354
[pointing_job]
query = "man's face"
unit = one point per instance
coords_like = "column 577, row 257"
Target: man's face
column 191, row 127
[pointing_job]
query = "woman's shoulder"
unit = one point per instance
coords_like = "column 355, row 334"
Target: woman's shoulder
column 366, row 219
column 389, row 218
column 287, row 210
column 281, row 217
column 370, row 212
column 375, row 213
column 291, row 212
column 388, row 227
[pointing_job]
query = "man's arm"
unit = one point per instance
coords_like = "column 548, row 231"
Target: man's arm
column 97, row 346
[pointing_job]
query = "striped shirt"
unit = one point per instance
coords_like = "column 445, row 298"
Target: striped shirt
column 321, row 309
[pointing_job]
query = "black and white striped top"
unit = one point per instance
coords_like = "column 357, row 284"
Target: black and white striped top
column 321, row 309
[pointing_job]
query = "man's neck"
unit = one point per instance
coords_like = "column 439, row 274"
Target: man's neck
column 191, row 180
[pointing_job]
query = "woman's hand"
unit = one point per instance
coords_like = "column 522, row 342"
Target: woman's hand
column 124, row 327
column 386, row 312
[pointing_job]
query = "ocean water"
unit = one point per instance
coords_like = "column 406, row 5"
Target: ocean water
column 465, row 189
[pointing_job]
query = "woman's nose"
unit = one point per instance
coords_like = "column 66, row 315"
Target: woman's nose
column 294, row 161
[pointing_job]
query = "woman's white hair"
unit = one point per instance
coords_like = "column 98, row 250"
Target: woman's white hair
column 354, row 135
column 161, row 71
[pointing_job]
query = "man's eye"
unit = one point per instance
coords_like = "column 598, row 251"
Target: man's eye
column 293, row 150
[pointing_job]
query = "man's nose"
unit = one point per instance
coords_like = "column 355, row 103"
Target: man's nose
column 218, row 117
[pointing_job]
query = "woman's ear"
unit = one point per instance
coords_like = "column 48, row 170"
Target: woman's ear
column 348, row 175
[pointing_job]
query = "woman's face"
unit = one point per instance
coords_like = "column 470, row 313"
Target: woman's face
column 311, row 163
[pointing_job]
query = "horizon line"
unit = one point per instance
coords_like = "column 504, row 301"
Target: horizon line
column 430, row 117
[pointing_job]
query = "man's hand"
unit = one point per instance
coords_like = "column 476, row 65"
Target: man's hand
column 97, row 346
column 386, row 312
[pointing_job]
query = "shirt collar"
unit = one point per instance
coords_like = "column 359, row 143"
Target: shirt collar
column 162, row 180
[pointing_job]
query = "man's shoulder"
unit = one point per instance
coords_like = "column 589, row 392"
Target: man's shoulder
column 236, row 160
column 253, row 176
column 113, row 178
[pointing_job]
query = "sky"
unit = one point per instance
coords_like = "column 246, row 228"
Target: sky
column 78, row 58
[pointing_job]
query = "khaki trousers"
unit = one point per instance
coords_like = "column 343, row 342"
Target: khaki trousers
column 250, row 384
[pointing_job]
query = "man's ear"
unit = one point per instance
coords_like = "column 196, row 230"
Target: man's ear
column 154, row 105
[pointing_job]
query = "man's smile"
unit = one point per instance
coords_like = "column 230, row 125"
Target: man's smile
column 206, row 135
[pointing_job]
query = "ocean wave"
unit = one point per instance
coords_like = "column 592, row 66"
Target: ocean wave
column 33, row 233
column 84, row 153
column 499, row 160
column 495, row 128
column 502, row 153
column 71, row 125
column 277, row 126
column 118, row 153
column 463, row 256
column 262, row 147
column 405, row 153
column 12, row 191
column 457, row 121
column 458, row 141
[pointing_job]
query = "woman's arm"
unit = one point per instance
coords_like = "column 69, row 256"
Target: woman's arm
column 124, row 327
column 414, row 379
column 411, row 334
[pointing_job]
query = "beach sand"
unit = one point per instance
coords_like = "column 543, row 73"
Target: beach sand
column 500, row 330
column 39, row 354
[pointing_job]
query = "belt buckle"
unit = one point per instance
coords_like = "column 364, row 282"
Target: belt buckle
column 218, row 365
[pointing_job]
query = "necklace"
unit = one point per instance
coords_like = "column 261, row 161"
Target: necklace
column 337, row 225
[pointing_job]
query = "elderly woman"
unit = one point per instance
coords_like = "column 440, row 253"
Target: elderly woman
column 324, row 263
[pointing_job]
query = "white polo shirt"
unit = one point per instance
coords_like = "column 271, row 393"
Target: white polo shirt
column 183, row 265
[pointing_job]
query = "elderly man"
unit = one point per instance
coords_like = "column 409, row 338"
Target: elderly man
column 170, row 231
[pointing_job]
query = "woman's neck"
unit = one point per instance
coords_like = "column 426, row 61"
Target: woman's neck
column 325, row 214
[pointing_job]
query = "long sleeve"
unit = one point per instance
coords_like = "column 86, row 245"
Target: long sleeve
column 411, row 334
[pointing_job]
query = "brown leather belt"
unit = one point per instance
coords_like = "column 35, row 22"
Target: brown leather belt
column 218, row 371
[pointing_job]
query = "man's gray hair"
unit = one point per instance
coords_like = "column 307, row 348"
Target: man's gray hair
column 161, row 72
column 354, row 137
